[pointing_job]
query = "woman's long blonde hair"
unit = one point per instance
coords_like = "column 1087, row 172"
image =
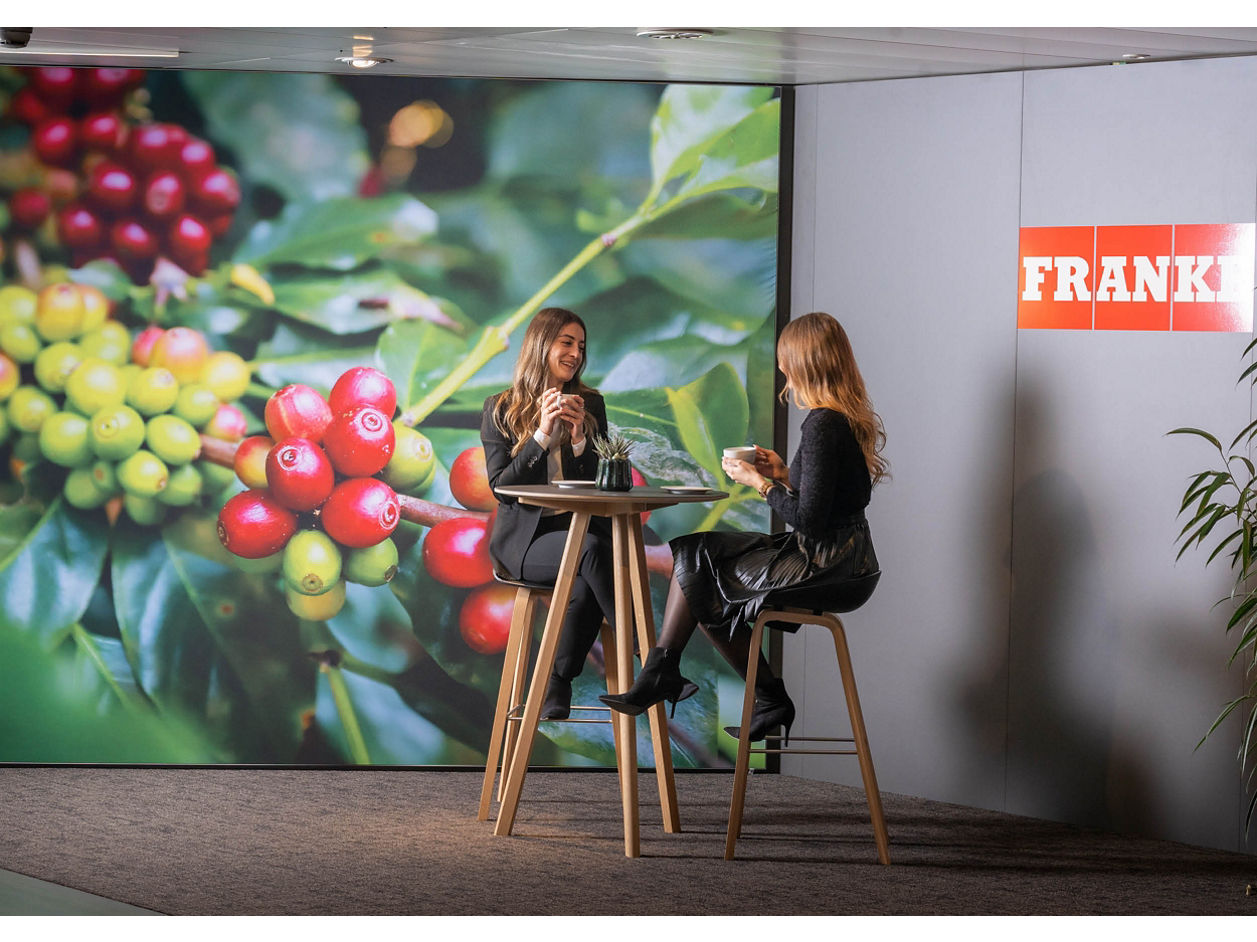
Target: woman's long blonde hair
column 820, row 368
column 518, row 410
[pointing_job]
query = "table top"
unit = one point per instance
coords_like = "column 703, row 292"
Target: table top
column 607, row 503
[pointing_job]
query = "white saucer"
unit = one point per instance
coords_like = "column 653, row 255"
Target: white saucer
column 687, row 489
column 575, row 483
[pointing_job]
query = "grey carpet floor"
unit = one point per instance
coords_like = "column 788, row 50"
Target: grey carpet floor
column 301, row 842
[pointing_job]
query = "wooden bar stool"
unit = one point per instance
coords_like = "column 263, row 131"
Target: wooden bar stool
column 511, row 689
column 811, row 605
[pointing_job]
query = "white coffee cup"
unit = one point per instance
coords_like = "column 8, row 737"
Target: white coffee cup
column 741, row 453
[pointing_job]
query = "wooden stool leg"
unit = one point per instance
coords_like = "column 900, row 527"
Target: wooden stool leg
column 742, row 768
column 861, row 738
column 658, row 717
column 519, row 626
column 626, row 742
column 545, row 663
column 520, row 676
column 613, row 682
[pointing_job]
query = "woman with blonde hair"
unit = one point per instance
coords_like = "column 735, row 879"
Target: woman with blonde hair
column 720, row 578
column 536, row 432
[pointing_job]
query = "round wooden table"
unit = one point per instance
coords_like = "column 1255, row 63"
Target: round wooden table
column 632, row 609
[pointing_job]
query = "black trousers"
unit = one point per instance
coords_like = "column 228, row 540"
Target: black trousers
column 593, row 590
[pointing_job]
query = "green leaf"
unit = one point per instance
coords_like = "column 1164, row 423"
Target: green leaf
column 298, row 353
column 357, row 301
column 299, row 133
column 743, row 157
column 48, row 576
column 689, row 118
column 374, row 628
column 417, row 355
column 209, row 641
column 711, row 414
column 337, row 233
column 1199, row 432
column 720, row 215
column 69, row 715
column 575, row 133
column 1221, row 546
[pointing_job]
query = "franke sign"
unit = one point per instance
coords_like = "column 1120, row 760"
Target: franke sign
column 1188, row 277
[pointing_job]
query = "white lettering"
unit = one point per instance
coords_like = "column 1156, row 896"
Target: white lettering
column 1191, row 278
column 1148, row 279
column 1112, row 284
column 1237, row 278
column 1035, row 266
column 1071, row 283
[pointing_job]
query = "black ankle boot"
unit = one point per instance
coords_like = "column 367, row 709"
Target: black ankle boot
column 660, row 679
column 558, row 702
column 773, row 708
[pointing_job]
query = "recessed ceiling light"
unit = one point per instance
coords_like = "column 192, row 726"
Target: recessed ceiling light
column 673, row 32
column 1135, row 56
column 362, row 62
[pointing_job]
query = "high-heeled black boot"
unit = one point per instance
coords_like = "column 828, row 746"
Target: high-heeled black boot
column 773, row 708
column 660, row 679
column 558, row 702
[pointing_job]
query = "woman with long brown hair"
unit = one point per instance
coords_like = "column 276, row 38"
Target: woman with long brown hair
column 536, row 432
column 720, row 579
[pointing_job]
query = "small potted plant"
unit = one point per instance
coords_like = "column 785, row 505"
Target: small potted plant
column 614, row 472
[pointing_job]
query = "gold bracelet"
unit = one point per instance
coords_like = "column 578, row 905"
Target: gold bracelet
column 765, row 488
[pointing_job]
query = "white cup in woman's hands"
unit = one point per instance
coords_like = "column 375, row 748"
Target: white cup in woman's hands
column 741, row 453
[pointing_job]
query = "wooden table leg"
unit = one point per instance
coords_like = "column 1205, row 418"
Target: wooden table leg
column 541, row 674
column 657, row 715
column 626, row 753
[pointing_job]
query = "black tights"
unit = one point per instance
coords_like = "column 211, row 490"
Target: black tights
column 593, row 590
column 678, row 627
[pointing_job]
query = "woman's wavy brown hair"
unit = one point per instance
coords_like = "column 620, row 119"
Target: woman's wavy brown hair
column 816, row 357
column 518, row 411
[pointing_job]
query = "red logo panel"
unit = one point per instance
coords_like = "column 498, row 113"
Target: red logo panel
column 1170, row 277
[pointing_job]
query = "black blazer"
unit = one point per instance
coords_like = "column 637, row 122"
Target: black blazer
column 516, row 523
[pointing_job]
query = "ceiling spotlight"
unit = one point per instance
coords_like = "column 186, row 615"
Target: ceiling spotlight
column 1135, row 56
column 673, row 32
column 362, row 62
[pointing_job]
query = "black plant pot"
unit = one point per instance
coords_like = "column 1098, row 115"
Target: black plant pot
column 614, row 475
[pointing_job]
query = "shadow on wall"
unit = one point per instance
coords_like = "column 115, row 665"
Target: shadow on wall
column 1064, row 761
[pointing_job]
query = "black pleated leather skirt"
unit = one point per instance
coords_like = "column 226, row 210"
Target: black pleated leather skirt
column 725, row 575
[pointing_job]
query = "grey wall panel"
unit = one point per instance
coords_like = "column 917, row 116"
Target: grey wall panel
column 914, row 242
column 1116, row 664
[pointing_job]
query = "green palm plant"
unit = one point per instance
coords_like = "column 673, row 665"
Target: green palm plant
column 1221, row 505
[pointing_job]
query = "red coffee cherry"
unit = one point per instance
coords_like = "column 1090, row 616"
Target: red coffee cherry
column 363, row 386
column 190, row 242
column 469, row 482
column 253, row 524
column 154, row 147
column 299, row 474
column 484, row 621
column 55, row 84
column 163, row 196
column 55, row 141
column 215, row 192
column 103, row 132
column 360, row 441
column 132, row 241
column 297, row 411
column 108, row 86
column 29, row 207
column 112, row 187
column 26, row 106
column 196, row 158
column 228, row 424
column 361, row 512
column 456, row 553
column 79, row 228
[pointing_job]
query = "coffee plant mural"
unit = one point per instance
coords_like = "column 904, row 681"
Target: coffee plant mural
column 247, row 324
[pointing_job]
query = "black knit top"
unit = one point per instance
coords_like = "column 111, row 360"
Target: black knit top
column 829, row 475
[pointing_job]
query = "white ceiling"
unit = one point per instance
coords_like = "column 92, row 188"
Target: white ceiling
column 778, row 56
